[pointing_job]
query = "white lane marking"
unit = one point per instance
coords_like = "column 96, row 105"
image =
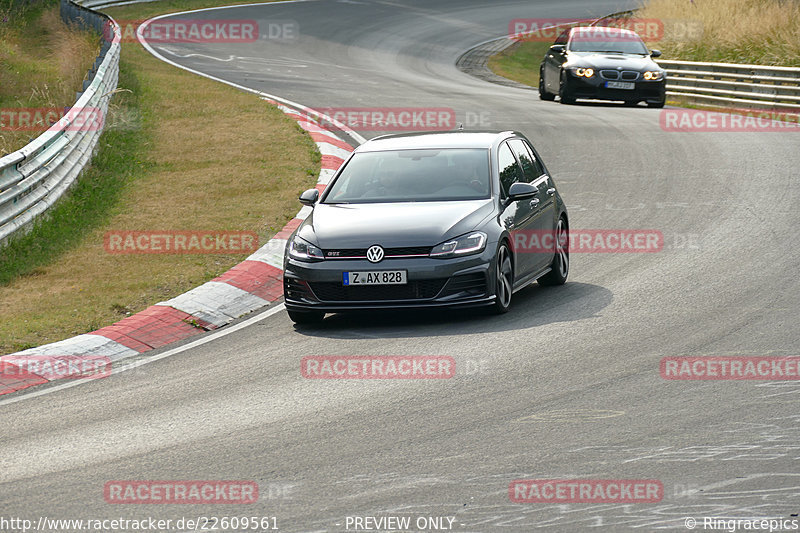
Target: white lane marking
column 153, row 358
column 261, row 60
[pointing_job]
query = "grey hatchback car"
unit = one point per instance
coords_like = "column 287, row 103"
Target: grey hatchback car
column 428, row 220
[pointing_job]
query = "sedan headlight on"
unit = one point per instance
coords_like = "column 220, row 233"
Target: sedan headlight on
column 653, row 75
column 584, row 72
column 471, row 243
column 303, row 250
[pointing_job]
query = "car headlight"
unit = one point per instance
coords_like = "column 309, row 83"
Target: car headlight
column 653, row 75
column 471, row 243
column 304, row 251
column 584, row 72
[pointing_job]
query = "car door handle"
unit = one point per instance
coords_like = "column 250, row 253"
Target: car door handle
column 551, row 191
column 534, row 202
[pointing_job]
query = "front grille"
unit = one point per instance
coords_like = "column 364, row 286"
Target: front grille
column 409, row 250
column 345, row 252
column 474, row 284
column 413, row 290
column 361, row 253
column 626, row 75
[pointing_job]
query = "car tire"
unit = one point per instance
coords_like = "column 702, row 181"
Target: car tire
column 563, row 90
column 503, row 280
column 306, row 317
column 544, row 94
column 657, row 105
column 559, row 268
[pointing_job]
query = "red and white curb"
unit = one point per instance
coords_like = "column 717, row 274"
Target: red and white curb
column 252, row 284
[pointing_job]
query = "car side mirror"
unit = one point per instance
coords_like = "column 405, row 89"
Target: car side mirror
column 521, row 191
column 655, row 53
column 558, row 48
column 309, row 197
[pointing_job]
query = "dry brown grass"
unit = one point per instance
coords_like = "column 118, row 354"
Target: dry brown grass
column 217, row 159
column 765, row 32
column 42, row 64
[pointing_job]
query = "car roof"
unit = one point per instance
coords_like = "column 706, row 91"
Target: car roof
column 450, row 139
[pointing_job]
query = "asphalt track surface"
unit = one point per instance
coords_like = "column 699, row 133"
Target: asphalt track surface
column 566, row 385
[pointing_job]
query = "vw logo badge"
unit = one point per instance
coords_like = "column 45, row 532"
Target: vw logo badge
column 375, row 254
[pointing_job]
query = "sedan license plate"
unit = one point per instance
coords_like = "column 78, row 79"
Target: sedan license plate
column 381, row 277
column 620, row 85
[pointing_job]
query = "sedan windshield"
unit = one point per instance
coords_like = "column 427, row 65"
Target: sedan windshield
column 413, row 176
column 606, row 40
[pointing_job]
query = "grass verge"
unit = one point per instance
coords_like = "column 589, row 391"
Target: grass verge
column 42, row 64
column 180, row 153
column 520, row 62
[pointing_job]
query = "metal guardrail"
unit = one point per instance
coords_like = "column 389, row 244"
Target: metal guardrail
column 734, row 85
column 34, row 177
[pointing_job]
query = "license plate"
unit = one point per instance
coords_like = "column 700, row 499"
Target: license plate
column 620, row 85
column 379, row 277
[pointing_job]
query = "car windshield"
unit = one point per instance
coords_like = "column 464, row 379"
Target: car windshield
column 413, row 176
column 607, row 40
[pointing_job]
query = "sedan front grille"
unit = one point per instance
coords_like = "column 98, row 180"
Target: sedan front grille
column 333, row 291
column 626, row 75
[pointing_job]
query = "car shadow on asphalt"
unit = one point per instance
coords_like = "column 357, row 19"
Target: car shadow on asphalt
column 606, row 103
column 531, row 307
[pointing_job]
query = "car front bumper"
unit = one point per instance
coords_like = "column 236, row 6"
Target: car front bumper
column 461, row 281
column 594, row 88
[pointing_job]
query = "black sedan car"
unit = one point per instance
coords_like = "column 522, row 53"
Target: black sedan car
column 602, row 63
column 428, row 220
